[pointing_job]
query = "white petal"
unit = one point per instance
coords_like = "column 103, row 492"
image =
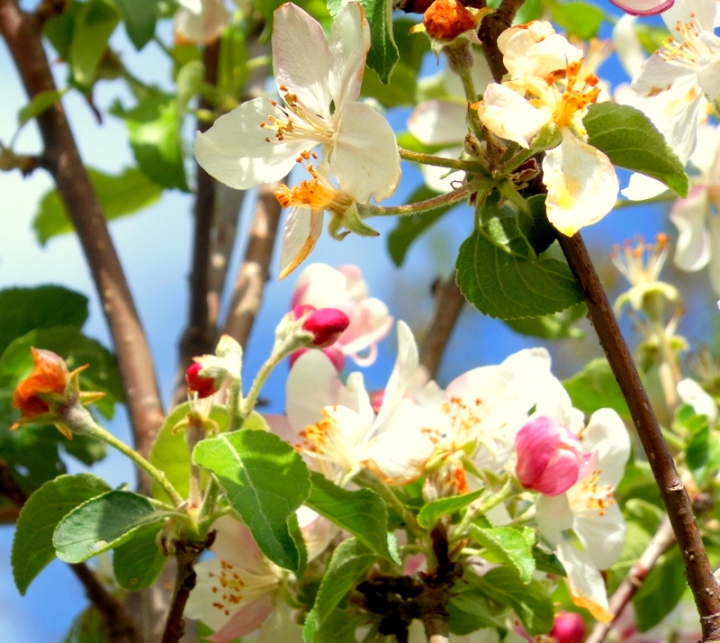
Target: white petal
column 582, row 184
column 602, row 536
column 365, row 158
column 234, row 543
column 689, row 216
column 508, row 115
column 657, row 74
column 439, row 122
column 586, row 585
column 606, row 434
column 553, row 516
column 641, row 187
column 692, row 393
column 349, row 44
column 699, row 12
column 301, row 57
column 442, row 179
column 203, row 25
column 715, row 253
column 709, row 72
column 235, row 150
column 627, row 45
column 313, row 384
column 533, row 50
column 302, row 230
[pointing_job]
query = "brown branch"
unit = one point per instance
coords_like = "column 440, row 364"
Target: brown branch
column 62, row 159
column 186, row 556
column 704, row 587
column 448, row 305
column 255, row 269
column 658, row 545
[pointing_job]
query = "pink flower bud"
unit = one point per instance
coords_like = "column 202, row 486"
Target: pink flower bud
column 569, row 627
column 326, row 325
column 203, row 386
column 549, row 456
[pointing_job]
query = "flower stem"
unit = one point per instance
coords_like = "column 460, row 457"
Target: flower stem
column 431, row 159
column 80, row 421
column 443, row 200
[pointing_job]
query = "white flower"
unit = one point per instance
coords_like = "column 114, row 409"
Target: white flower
column 581, row 181
column 336, row 426
column 699, row 230
column 692, row 393
column 319, row 82
column 200, row 21
column 344, row 288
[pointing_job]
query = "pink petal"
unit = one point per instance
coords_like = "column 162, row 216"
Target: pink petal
column 244, row 621
column 643, row 7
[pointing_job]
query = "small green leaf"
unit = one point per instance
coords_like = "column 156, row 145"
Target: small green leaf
column 433, row 511
column 25, row 309
column 363, row 513
column 88, row 627
column 631, row 141
column 578, row 19
column 339, row 627
column 661, row 591
column 511, row 545
column 170, row 453
column 154, row 133
column 265, row 480
column 408, row 229
column 507, row 286
column 119, row 196
column 32, row 547
column 40, row 102
column 94, row 24
column 101, row 524
column 470, row 611
column 189, row 80
column 595, row 387
column 349, row 563
column 547, row 562
column 140, row 17
column 384, row 53
column 139, row 561
column 530, row 601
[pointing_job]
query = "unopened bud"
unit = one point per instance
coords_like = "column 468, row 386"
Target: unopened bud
column 325, row 325
column 569, row 627
column 203, row 386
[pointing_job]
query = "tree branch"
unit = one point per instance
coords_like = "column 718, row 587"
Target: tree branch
column 255, row 269
column 448, row 305
column 704, row 587
column 62, row 159
column 658, row 545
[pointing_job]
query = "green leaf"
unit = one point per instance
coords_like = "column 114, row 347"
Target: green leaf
column 94, row 24
column 530, row 601
column 578, row 19
column 88, row 627
column 140, row 17
column 119, row 196
column 408, row 229
column 154, row 134
column 703, row 450
column 551, row 327
column 138, row 562
column 189, row 80
column 265, row 480
column 339, row 627
column 595, row 387
column 25, row 309
column 101, row 524
column 507, row 286
column 470, row 611
column 349, row 563
column 547, row 562
column 661, row 592
column 363, row 513
column 32, row 547
column 59, row 29
column 383, row 52
column 631, row 141
column 170, row 453
column 511, row 545
column 40, row 102
column 77, row 350
column 433, row 511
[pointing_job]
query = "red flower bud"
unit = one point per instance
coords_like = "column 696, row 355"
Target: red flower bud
column 203, row 386
column 49, row 377
column 326, row 325
column 447, row 19
column 569, row 627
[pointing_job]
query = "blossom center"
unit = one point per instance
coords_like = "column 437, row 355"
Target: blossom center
column 233, row 587
column 593, row 497
column 299, row 122
column 316, row 194
column 573, row 100
column 326, row 441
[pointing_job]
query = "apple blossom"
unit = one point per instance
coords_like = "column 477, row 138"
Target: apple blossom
column 335, row 425
column 549, row 91
column 200, row 21
column 319, row 82
column 344, row 288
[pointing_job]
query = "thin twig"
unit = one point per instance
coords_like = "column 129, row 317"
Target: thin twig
column 704, row 587
column 658, row 545
column 255, row 269
column 62, row 159
column 448, row 305
column 186, row 556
